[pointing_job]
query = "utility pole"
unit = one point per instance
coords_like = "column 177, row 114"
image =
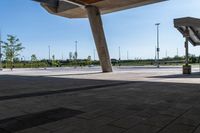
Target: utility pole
column 119, row 56
column 158, row 47
column 76, row 54
column 177, row 52
column 76, row 51
column 49, row 52
column 0, row 53
column 166, row 54
column 94, row 55
column 119, row 53
column 127, row 55
column 155, row 55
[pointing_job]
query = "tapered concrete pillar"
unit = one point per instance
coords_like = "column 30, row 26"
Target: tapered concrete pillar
column 187, row 68
column 186, row 51
column 94, row 16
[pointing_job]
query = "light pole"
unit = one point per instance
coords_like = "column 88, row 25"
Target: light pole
column 119, row 55
column 0, row 53
column 155, row 55
column 94, row 54
column 127, row 55
column 158, row 48
column 76, row 51
column 49, row 52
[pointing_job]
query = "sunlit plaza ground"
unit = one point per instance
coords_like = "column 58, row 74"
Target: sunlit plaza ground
column 84, row 100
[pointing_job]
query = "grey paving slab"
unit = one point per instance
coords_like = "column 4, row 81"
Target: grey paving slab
column 103, row 129
column 197, row 130
column 139, row 100
column 34, row 130
column 159, row 120
column 178, row 128
column 127, row 122
column 190, row 121
column 143, row 129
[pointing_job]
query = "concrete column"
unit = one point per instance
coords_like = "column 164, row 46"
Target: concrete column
column 186, row 52
column 187, row 68
column 94, row 16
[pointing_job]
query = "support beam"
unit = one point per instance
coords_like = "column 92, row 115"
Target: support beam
column 94, row 16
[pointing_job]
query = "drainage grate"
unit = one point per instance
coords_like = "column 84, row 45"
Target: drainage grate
column 19, row 123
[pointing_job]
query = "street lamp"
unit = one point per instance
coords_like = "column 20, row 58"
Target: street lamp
column 76, row 51
column 0, row 54
column 158, row 49
column 127, row 55
column 49, row 52
column 94, row 54
column 119, row 55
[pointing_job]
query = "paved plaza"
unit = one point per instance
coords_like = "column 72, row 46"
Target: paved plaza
column 83, row 100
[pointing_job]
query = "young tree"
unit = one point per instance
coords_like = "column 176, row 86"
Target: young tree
column 53, row 57
column 33, row 58
column 76, row 55
column 89, row 60
column 70, row 56
column 11, row 49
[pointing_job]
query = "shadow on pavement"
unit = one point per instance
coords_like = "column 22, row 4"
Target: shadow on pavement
column 193, row 75
column 131, row 105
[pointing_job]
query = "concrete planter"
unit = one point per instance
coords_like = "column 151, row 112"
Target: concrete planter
column 187, row 69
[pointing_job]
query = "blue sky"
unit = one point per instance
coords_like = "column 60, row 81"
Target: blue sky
column 133, row 30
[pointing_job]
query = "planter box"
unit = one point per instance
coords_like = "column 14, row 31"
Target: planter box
column 187, row 69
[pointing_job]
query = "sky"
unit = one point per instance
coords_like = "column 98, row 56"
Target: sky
column 132, row 30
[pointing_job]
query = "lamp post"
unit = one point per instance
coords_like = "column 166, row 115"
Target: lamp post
column 0, row 53
column 49, row 52
column 119, row 55
column 127, row 55
column 158, row 47
column 94, row 54
column 76, row 51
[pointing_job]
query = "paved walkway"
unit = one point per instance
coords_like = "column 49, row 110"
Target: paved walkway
column 133, row 100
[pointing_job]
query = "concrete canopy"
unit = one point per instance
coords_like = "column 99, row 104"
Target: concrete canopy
column 67, row 8
column 93, row 10
column 193, row 25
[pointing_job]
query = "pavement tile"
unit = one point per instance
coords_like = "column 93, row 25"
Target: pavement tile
column 159, row 120
column 178, row 128
column 34, row 130
column 102, row 129
column 127, row 122
column 141, row 128
column 190, row 121
column 197, row 130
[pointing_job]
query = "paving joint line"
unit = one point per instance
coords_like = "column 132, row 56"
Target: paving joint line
column 173, row 120
column 196, row 128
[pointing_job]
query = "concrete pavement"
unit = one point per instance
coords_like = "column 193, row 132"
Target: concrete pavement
column 130, row 100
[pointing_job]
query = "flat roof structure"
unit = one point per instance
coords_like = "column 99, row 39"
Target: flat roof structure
column 193, row 25
column 73, row 8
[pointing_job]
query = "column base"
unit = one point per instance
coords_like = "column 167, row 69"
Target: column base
column 187, row 69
